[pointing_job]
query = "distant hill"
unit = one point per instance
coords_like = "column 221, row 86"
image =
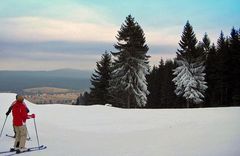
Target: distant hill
column 15, row 81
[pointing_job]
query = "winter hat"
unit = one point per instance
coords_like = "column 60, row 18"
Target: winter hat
column 19, row 98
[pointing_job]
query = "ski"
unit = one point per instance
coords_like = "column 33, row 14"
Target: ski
column 11, row 136
column 9, row 151
column 5, row 152
column 31, row 149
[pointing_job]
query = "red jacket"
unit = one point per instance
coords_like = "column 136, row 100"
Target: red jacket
column 19, row 112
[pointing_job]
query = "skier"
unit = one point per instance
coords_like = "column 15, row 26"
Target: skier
column 10, row 109
column 19, row 112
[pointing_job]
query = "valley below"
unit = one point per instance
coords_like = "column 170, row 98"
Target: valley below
column 50, row 95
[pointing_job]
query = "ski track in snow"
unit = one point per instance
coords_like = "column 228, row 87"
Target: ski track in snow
column 108, row 131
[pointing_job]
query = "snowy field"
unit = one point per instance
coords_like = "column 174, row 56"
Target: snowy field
column 107, row 131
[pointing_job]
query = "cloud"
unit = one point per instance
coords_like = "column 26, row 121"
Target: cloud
column 85, row 63
column 77, row 24
column 164, row 35
column 41, row 29
column 69, row 35
column 64, row 54
column 46, row 29
column 80, row 47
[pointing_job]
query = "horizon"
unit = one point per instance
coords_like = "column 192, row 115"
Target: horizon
column 46, row 70
column 51, row 35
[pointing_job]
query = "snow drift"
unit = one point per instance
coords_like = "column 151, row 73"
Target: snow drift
column 108, row 131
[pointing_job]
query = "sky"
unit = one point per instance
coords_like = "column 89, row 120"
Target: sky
column 54, row 34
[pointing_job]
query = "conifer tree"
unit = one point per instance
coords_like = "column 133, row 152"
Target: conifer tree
column 130, row 66
column 206, row 44
column 190, row 77
column 187, row 44
column 161, row 87
column 155, row 83
column 212, row 78
column 159, row 84
column 100, row 81
column 223, row 68
column 153, row 80
column 235, row 65
column 83, row 99
column 168, row 99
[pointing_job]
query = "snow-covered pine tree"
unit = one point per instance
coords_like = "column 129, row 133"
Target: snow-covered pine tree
column 100, row 81
column 190, row 81
column 130, row 66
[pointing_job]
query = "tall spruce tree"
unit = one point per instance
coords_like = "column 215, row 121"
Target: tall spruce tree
column 153, row 80
column 168, row 98
column 206, row 44
column 100, row 81
column 212, row 78
column 235, row 66
column 224, row 69
column 190, row 77
column 130, row 66
column 187, row 44
column 159, row 84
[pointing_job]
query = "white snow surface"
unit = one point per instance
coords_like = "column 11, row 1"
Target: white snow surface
column 107, row 131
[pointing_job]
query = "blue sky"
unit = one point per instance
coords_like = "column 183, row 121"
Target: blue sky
column 45, row 35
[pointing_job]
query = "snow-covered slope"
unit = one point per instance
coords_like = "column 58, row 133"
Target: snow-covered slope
column 107, row 131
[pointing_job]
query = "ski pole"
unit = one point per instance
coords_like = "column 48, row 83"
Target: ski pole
column 36, row 131
column 3, row 126
column 29, row 138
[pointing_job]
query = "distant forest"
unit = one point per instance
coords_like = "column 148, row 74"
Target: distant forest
column 203, row 74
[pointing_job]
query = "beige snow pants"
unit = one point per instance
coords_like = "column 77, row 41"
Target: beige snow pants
column 21, row 136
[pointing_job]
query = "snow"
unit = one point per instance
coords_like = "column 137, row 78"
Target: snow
column 189, row 80
column 131, row 76
column 108, row 131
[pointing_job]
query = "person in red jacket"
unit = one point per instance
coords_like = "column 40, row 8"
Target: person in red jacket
column 10, row 109
column 19, row 112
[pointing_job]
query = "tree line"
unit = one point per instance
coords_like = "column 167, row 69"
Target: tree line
column 202, row 74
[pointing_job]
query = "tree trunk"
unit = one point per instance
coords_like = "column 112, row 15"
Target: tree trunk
column 129, row 100
column 187, row 103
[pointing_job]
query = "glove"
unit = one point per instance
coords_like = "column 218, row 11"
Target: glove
column 7, row 113
column 9, row 110
column 32, row 116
